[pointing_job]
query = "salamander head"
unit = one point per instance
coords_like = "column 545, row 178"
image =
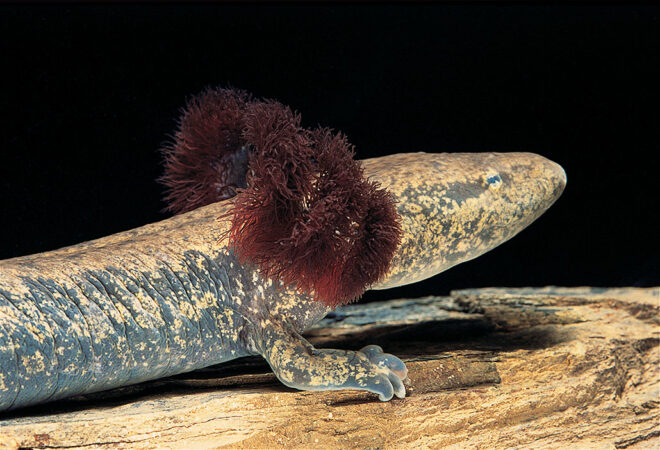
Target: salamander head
column 457, row 206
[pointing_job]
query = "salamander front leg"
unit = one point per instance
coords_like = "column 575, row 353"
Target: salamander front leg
column 299, row 365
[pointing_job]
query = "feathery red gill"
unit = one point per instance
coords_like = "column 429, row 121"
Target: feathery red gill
column 305, row 214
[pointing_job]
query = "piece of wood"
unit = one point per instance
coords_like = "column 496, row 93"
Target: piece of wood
column 523, row 368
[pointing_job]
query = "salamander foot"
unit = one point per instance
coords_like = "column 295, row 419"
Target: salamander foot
column 299, row 365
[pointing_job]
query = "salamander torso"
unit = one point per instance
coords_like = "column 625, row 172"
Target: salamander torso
column 152, row 302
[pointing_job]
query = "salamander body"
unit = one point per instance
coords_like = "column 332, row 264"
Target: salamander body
column 172, row 296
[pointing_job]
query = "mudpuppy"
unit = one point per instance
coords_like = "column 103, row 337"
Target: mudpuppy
column 275, row 225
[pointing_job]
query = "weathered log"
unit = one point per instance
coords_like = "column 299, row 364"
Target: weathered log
column 494, row 367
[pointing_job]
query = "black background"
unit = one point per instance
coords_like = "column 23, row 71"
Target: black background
column 89, row 93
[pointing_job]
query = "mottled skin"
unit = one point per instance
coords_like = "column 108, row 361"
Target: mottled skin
column 170, row 297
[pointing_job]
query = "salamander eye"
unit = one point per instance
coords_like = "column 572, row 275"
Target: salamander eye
column 493, row 180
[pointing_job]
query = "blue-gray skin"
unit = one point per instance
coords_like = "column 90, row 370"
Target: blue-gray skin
column 170, row 297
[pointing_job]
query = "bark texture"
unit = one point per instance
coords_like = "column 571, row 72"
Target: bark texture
column 496, row 367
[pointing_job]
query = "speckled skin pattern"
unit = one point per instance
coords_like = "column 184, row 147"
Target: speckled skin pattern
column 170, row 297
